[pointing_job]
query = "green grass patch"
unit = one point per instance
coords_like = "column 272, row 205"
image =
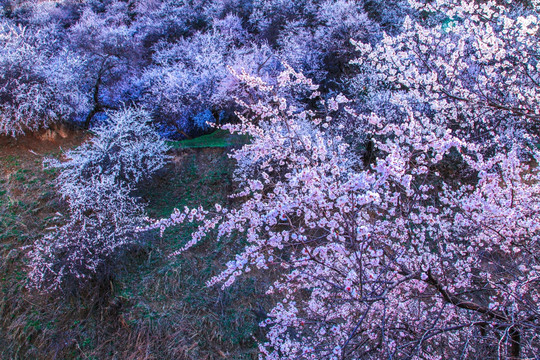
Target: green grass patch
column 218, row 139
column 169, row 294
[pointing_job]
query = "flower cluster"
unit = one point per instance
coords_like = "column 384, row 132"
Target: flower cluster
column 474, row 65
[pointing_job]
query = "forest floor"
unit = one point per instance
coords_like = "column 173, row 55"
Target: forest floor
column 158, row 307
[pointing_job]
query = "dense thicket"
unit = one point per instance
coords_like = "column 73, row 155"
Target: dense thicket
column 72, row 60
column 391, row 176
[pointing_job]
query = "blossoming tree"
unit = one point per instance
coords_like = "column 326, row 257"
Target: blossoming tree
column 39, row 85
column 97, row 180
column 431, row 250
column 387, row 261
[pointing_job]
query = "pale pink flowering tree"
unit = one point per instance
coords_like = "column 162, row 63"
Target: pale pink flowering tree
column 476, row 68
column 431, row 250
column 387, row 261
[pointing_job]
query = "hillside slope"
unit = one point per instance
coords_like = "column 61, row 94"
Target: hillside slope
column 159, row 307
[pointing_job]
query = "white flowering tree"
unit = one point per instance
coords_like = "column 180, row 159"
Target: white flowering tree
column 84, row 251
column 313, row 36
column 190, row 76
column 111, row 47
column 96, row 180
column 125, row 147
column 38, row 85
column 428, row 251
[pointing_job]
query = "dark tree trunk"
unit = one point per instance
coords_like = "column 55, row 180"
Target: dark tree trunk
column 515, row 343
column 97, row 105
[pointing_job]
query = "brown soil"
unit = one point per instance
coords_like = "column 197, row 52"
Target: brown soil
column 41, row 143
